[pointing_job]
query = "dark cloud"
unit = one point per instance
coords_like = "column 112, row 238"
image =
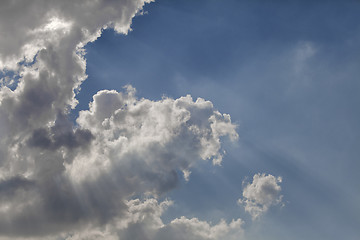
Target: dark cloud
column 8, row 187
column 60, row 135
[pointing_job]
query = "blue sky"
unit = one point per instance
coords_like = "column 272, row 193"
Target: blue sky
column 287, row 73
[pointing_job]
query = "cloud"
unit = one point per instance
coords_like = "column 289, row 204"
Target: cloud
column 35, row 25
column 261, row 194
column 143, row 221
column 164, row 135
column 83, row 180
column 43, row 48
column 122, row 147
column 195, row 229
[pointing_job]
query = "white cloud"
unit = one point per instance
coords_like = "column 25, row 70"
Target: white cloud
column 160, row 135
column 195, row 229
column 57, row 178
column 33, row 25
column 123, row 147
column 262, row 193
column 143, row 221
column 52, row 33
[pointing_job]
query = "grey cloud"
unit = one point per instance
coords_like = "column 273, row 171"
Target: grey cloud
column 8, row 187
column 36, row 139
column 142, row 221
column 136, row 148
column 60, row 179
column 50, row 35
column 60, row 135
column 51, row 206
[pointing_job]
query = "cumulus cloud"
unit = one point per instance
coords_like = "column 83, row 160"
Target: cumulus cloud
column 143, row 221
column 31, row 26
column 261, row 194
column 83, row 180
column 42, row 46
column 163, row 135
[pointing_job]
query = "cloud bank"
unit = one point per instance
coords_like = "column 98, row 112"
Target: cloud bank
column 60, row 180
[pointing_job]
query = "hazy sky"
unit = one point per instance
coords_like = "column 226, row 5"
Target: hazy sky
column 179, row 120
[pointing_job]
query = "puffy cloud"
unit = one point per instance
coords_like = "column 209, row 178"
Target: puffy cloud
column 34, row 25
column 140, row 136
column 122, row 147
column 195, row 229
column 71, row 181
column 42, row 49
column 263, row 192
column 143, row 221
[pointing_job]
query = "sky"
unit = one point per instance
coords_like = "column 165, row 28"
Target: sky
column 179, row 119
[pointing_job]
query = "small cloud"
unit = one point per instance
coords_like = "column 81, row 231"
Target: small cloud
column 261, row 194
column 186, row 173
column 303, row 52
